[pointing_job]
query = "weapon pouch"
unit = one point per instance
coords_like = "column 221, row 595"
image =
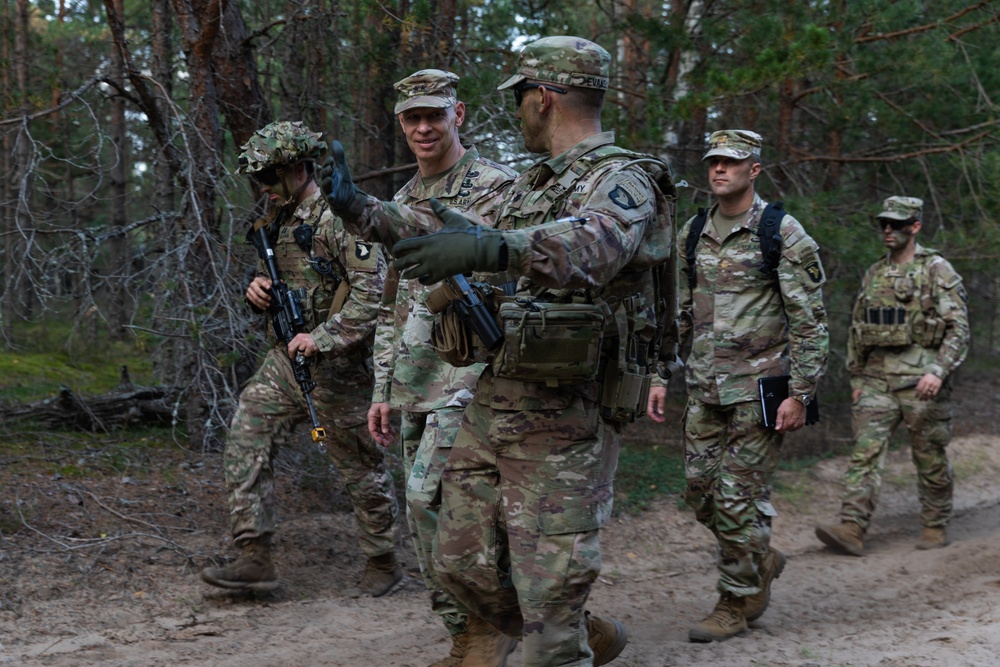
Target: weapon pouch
column 554, row 343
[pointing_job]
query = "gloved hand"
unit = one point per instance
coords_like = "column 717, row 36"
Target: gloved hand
column 335, row 181
column 460, row 247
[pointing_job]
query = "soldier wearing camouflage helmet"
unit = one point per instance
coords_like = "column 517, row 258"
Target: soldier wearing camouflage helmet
column 338, row 280
column 743, row 324
column 529, row 480
column 909, row 332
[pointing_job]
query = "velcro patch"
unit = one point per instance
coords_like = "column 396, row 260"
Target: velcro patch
column 362, row 250
column 628, row 194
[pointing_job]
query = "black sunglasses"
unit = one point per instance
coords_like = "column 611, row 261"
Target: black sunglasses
column 895, row 224
column 267, row 177
column 519, row 91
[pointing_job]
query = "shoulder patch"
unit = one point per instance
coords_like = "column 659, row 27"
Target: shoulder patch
column 362, row 250
column 629, row 194
column 814, row 270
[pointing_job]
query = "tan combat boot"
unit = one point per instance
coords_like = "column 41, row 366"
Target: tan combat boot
column 847, row 538
column 253, row 570
column 727, row 620
column 382, row 575
column 606, row 639
column 486, row 646
column 933, row 538
column 771, row 566
column 454, row 658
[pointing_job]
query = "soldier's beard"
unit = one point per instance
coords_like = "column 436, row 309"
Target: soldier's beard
column 897, row 239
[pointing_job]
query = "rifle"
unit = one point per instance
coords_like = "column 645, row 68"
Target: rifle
column 473, row 311
column 285, row 313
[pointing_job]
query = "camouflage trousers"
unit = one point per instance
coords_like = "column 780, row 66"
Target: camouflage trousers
column 524, row 495
column 874, row 417
column 270, row 407
column 729, row 459
column 427, row 439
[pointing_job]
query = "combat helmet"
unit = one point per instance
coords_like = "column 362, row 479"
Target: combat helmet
column 280, row 143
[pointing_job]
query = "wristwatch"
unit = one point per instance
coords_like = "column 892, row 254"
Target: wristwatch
column 804, row 399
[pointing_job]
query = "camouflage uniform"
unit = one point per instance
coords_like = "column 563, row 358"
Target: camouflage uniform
column 411, row 377
column 272, row 403
column 743, row 326
column 908, row 320
column 528, row 482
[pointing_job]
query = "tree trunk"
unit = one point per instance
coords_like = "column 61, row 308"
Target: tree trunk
column 117, row 271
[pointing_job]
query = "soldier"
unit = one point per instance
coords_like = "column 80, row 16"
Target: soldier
column 409, row 375
column 528, row 483
column 909, row 332
column 743, row 324
column 339, row 280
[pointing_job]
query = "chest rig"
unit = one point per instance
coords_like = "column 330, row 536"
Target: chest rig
column 897, row 307
column 617, row 329
column 309, row 265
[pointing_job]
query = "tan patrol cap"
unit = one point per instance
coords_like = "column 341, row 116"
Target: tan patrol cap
column 432, row 88
column 902, row 208
column 737, row 144
column 569, row 61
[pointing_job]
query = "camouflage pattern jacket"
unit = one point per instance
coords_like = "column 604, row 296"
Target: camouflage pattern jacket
column 409, row 374
column 344, row 339
column 743, row 326
column 927, row 304
column 582, row 223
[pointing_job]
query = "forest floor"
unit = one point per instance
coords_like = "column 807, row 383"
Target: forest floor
column 103, row 570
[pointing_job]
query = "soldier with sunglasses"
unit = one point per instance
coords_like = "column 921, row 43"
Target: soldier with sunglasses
column 909, row 332
column 337, row 280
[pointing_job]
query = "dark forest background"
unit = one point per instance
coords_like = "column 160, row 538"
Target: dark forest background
column 122, row 222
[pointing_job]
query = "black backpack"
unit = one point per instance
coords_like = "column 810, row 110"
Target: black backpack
column 767, row 231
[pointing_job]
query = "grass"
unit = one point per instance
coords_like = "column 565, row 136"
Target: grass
column 44, row 362
column 645, row 473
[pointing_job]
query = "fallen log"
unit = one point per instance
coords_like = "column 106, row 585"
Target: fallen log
column 126, row 405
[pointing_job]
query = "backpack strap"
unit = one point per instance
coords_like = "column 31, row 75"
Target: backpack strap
column 770, row 239
column 691, row 244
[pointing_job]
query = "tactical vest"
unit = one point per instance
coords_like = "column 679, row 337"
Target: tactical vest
column 618, row 329
column 897, row 311
column 315, row 290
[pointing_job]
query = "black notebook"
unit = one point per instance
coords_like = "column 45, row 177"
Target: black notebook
column 774, row 390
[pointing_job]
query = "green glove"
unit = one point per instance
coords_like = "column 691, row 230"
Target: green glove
column 459, row 247
column 335, row 182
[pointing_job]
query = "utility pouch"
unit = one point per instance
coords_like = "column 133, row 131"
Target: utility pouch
column 554, row 343
column 624, row 394
column 454, row 334
column 883, row 335
column 933, row 333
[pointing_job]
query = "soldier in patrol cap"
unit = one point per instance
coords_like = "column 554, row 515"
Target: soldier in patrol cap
column 909, row 332
column 338, row 280
column 529, row 481
column 410, row 377
column 746, row 319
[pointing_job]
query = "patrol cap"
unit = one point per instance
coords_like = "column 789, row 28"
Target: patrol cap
column 433, row 88
column 570, row 61
column 902, row 208
column 737, row 144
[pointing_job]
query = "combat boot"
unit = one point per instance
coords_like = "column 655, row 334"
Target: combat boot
column 606, row 639
column 382, row 575
column 486, row 646
column 454, row 658
column 933, row 538
column 253, row 570
column 847, row 538
column 727, row 620
column 771, row 566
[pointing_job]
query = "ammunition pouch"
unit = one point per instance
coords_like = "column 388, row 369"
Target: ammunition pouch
column 554, row 343
column 627, row 371
column 933, row 332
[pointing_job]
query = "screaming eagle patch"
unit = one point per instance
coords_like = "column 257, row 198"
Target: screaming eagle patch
column 628, row 194
column 362, row 250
